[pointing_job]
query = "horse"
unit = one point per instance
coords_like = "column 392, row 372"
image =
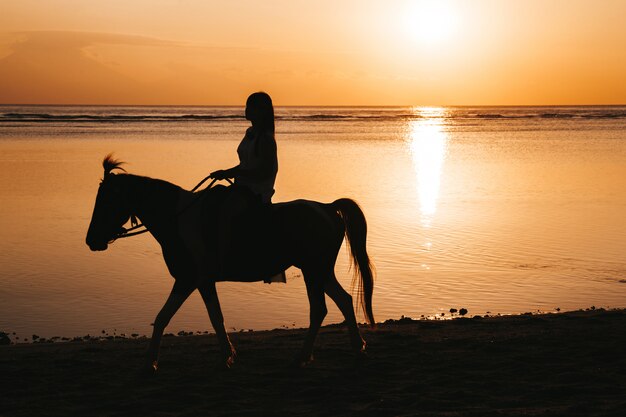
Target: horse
column 301, row 233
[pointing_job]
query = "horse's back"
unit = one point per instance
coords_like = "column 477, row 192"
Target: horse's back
column 310, row 227
column 307, row 212
column 266, row 239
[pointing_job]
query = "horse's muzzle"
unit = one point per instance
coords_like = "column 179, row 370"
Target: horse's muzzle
column 98, row 246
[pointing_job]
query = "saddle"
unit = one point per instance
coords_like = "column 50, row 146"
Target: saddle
column 254, row 247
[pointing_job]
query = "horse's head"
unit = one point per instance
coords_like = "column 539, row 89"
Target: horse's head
column 112, row 208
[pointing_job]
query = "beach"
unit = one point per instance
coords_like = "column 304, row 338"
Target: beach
column 499, row 210
column 559, row 364
column 458, row 168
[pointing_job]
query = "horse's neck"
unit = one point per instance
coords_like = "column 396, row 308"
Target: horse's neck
column 155, row 202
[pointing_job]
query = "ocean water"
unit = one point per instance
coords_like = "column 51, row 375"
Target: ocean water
column 494, row 209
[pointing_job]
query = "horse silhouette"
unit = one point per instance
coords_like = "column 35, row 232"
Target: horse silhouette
column 266, row 241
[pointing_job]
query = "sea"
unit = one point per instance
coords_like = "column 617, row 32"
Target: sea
column 497, row 210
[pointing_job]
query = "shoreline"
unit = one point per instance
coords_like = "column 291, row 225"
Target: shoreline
column 112, row 335
column 568, row 363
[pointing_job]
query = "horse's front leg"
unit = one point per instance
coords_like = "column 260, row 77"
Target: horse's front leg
column 180, row 292
column 212, row 303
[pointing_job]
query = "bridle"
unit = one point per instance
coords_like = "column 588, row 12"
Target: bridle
column 135, row 225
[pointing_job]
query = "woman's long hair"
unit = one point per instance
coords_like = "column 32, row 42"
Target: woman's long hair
column 263, row 103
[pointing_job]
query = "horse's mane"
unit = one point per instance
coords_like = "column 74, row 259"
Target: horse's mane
column 109, row 164
column 136, row 181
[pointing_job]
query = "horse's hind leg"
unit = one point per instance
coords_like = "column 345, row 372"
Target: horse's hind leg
column 335, row 291
column 212, row 303
column 315, row 290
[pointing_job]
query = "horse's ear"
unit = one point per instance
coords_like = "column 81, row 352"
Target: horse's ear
column 110, row 164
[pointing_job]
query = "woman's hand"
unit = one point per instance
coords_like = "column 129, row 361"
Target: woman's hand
column 220, row 174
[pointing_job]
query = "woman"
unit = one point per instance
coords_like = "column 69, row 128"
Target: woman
column 258, row 159
column 254, row 176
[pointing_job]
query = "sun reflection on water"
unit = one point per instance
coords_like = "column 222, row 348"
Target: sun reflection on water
column 428, row 144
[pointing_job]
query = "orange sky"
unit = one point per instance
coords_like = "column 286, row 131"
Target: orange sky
column 323, row 52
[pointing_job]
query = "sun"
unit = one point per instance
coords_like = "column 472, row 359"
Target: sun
column 430, row 22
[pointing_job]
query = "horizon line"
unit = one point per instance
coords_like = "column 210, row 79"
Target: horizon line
column 313, row 105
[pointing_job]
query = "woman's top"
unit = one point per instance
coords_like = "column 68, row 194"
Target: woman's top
column 256, row 149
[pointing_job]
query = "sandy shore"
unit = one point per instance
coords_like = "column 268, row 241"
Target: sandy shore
column 556, row 364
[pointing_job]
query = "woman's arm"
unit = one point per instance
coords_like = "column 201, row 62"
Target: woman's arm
column 268, row 156
column 221, row 174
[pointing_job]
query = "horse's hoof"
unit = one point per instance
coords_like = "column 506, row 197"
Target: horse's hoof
column 360, row 354
column 230, row 361
column 227, row 361
column 359, row 346
column 149, row 370
column 225, row 364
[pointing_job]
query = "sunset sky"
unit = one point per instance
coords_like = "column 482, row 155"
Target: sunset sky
column 323, row 52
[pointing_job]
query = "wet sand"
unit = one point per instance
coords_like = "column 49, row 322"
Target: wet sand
column 554, row 364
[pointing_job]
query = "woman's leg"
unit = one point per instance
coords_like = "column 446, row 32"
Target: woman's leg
column 234, row 205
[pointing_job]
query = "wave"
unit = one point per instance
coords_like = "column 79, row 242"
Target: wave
column 353, row 116
column 459, row 114
column 46, row 117
column 609, row 115
column 43, row 117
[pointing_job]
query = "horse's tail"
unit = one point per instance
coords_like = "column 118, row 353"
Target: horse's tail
column 356, row 236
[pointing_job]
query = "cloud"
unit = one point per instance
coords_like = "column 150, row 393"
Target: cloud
column 81, row 39
column 106, row 68
column 52, row 67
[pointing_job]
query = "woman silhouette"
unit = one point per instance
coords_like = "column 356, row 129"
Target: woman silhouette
column 256, row 173
column 258, row 159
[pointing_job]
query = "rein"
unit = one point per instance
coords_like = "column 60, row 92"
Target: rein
column 135, row 225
